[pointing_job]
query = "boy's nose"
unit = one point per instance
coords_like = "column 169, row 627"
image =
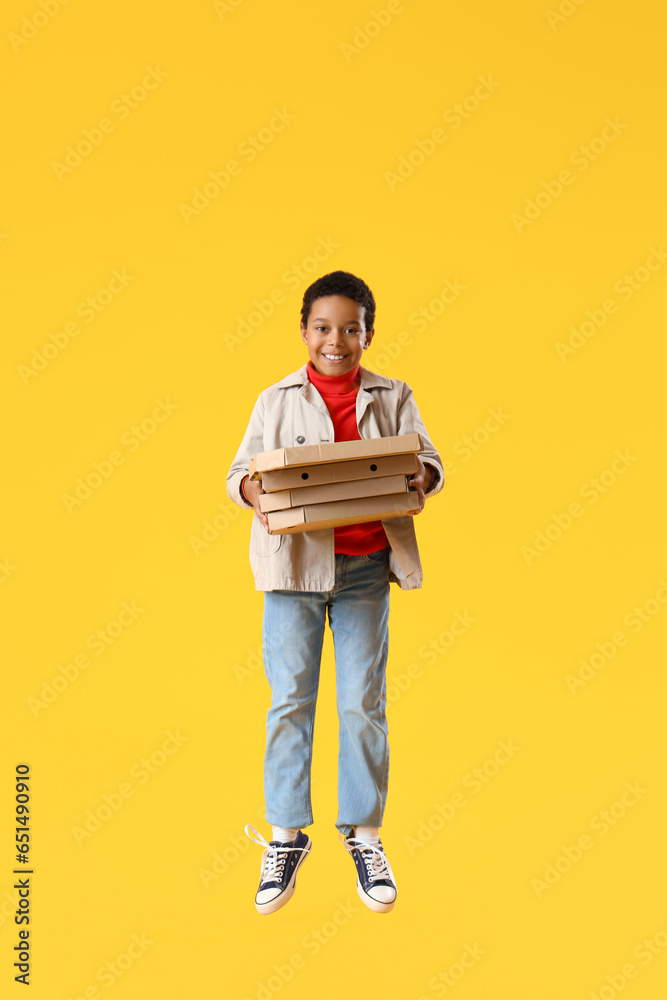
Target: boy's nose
column 335, row 338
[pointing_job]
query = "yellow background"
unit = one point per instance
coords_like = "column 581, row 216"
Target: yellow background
column 186, row 663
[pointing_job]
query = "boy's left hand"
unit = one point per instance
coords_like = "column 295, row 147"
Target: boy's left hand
column 420, row 482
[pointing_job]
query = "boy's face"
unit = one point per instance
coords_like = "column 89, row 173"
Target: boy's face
column 336, row 334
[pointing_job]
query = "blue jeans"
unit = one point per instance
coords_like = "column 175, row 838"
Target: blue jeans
column 293, row 634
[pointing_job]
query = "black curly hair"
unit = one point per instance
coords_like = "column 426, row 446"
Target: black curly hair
column 340, row 283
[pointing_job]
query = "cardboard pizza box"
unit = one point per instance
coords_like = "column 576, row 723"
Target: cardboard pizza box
column 339, row 472
column 334, row 451
column 332, row 491
column 336, row 513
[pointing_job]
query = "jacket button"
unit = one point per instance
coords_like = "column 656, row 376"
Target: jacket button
column 300, row 439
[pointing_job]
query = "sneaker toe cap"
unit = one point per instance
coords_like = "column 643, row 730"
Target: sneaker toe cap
column 268, row 895
column 382, row 893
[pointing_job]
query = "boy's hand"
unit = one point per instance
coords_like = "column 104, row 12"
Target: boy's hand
column 253, row 490
column 420, row 482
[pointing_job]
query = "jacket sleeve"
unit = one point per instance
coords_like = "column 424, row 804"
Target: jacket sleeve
column 409, row 422
column 252, row 443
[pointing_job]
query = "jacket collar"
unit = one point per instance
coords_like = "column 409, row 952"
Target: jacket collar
column 368, row 379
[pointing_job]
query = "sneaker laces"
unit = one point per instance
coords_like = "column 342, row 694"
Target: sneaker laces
column 376, row 861
column 274, row 858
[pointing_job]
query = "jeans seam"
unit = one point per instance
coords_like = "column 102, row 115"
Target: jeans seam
column 311, row 734
column 311, row 729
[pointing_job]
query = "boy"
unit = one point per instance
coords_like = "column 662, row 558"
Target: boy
column 344, row 571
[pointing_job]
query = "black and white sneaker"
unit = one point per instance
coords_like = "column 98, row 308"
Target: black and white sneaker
column 376, row 885
column 280, row 864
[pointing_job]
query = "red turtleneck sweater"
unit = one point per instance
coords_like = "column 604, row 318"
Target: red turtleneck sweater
column 339, row 393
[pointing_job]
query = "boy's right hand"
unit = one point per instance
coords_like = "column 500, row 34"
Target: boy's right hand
column 253, row 490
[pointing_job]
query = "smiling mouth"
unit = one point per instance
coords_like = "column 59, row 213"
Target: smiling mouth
column 334, row 357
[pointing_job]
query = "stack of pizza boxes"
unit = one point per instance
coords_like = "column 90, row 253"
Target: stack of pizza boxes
column 343, row 482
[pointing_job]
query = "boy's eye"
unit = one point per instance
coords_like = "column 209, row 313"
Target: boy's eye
column 350, row 329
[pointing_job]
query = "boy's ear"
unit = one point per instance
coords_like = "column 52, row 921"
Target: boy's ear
column 369, row 337
column 303, row 333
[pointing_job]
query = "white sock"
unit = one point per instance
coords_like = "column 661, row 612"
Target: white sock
column 283, row 834
column 369, row 833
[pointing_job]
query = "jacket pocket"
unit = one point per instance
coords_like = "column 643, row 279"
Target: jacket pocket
column 262, row 544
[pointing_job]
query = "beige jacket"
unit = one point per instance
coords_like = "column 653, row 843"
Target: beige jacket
column 292, row 412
